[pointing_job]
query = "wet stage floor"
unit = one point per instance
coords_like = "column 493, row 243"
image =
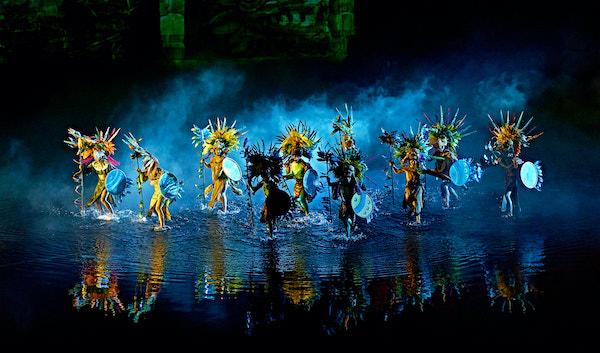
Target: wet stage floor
column 459, row 274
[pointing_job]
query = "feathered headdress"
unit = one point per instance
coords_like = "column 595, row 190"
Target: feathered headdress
column 343, row 126
column 298, row 139
column 339, row 161
column 452, row 128
column 511, row 131
column 415, row 142
column 210, row 136
column 148, row 160
column 87, row 145
column 262, row 160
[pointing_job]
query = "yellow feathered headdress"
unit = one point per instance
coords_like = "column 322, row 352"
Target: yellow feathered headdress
column 508, row 131
column 85, row 145
column 298, row 139
column 210, row 136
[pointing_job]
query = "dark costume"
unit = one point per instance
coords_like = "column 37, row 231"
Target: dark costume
column 267, row 165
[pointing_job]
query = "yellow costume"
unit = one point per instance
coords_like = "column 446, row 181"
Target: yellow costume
column 161, row 199
column 217, row 142
column 298, row 141
column 95, row 153
column 219, row 179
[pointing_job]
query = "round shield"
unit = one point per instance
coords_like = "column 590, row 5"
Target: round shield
column 362, row 204
column 170, row 187
column 529, row 175
column 278, row 202
column 310, row 182
column 116, row 182
column 459, row 172
column 232, row 169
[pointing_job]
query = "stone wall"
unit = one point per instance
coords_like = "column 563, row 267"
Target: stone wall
column 112, row 30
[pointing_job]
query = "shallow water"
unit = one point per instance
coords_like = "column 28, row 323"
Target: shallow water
column 464, row 270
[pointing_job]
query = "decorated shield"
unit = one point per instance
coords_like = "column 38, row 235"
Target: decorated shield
column 459, row 172
column 232, row 169
column 311, row 182
column 531, row 175
column 116, row 182
column 362, row 204
column 170, row 187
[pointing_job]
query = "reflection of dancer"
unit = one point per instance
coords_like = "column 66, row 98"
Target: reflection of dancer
column 508, row 140
column 95, row 153
column 219, row 142
column 411, row 150
column 99, row 287
column 267, row 165
column 444, row 137
column 166, row 187
column 295, row 144
column 149, row 282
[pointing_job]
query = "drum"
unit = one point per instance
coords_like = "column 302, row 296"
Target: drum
column 278, row 202
column 311, row 182
column 170, row 187
column 460, row 172
column 232, row 169
column 116, row 182
column 362, row 204
column 531, row 175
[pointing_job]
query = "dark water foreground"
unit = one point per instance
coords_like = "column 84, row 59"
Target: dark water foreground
column 467, row 273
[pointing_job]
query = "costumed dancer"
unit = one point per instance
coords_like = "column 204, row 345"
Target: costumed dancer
column 215, row 147
column 444, row 136
column 508, row 140
column 348, row 169
column 166, row 186
column 267, row 166
column 343, row 127
column 411, row 150
column 296, row 145
column 95, row 154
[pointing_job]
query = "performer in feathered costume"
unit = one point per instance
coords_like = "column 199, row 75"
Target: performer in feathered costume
column 296, row 145
column 508, row 140
column 348, row 170
column 267, row 165
column 343, row 126
column 95, row 153
column 216, row 144
column 166, row 186
column 411, row 150
column 443, row 136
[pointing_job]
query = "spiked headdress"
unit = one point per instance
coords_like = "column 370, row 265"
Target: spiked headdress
column 343, row 126
column 211, row 136
column 262, row 160
column 413, row 142
column 87, row 145
column 148, row 160
column 510, row 131
column 298, row 139
column 450, row 126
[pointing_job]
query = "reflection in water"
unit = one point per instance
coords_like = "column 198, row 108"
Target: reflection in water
column 511, row 287
column 149, row 281
column 99, row 289
column 216, row 281
column 299, row 281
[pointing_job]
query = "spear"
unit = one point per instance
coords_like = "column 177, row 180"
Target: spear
column 81, row 172
column 328, row 189
column 248, row 184
column 392, row 178
column 139, row 187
